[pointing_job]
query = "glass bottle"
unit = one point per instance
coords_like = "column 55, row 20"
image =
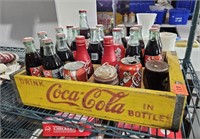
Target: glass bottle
column 52, row 64
column 75, row 32
column 109, row 52
column 101, row 32
column 133, row 49
column 59, row 30
column 42, row 35
column 141, row 41
column 82, row 54
column 152, row 50
column 69, row 35
column 83, row 24
column 63, row 50
column 123, row 34
column 118, row 45
column 95, row 48
column 159, row 39
column 33, row 60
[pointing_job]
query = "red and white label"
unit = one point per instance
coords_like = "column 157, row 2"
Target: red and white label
column 36, row 71
column 57, row 73
column 149, row 58
column 166, row 133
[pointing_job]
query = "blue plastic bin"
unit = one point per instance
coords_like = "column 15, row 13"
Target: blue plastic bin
column 161, row 14
column 188, row 4
column 178, row 16
column 139, row 7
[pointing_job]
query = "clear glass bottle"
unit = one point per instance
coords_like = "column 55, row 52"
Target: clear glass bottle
column 33, row 60
column 133, row 49
column 152, row 50
column 101, row 32
column 83, row 24
column 118, row 45
column 123, row 34
column 52, row 64
column 42, row 35
column 63, row 50
column 95, row 48
column 69, row 35
column 59, row 30
column 75, row 32
column 159, row 39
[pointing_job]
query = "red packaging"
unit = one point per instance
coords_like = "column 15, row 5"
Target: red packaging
column 169, row 134
column 132, row 127
column 52, row 129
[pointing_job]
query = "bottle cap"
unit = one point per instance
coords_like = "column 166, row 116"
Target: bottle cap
column 138, row 25
column 59, row 28
column 108, row 40
column 75, row 28
column 153, row 29
column 156, row 26
column 82, row 11
column 80, row 39
column 28, row 39
column 93, row 28
column 116, row 29
column 60, row 35
column 70, row 26
column 121, row 26
column 134, row 29
column 47, row 40
column 99, row 25
column 40, row 33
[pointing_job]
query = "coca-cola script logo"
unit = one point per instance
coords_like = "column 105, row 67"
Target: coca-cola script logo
column 93, row 99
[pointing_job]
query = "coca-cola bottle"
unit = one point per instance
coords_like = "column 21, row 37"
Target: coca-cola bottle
column 83, row 24
column 75, row 32
column 52, row 64
column 69, row 35
column 82, row 54
column 159, row 39
column 133, row 49
column 152, row 50
column 101, row 33
column 123, row 34
column 59, row 30
column 63, row 50
column 42, row 35
column 109, row 52
column 33, row 60
column 141, row 41
column 95, row 48
column 118, row 45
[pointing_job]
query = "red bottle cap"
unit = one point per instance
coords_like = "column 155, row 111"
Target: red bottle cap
column 153, row 29
column 134, row 29
column 138, row 25
column 47, row 40
column 156, row 26
column 121, row 26
column 42, row 33
column 99, row 25
column 75, row 28
column 116, row 29
column 27, row 39
column 82, row 11
column 108, row 40
column 70, row 26
column 80, row 39
column 60, row 35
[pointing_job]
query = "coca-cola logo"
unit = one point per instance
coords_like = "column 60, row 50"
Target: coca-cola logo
column 93, row 99
column 136, row 78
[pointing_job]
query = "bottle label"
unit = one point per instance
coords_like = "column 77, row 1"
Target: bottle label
column 36, row 71
column 94, row 56
column 56, row 73
column 149, row 58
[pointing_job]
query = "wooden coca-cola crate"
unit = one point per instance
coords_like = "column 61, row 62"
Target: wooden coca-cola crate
column 162, row 109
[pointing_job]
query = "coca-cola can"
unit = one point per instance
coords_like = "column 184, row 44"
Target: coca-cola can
column 75, row 71
column 130, row 72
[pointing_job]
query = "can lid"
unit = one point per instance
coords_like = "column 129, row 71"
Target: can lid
column 134, row 29
column 60, row 35
column 69, row 26
column 42, row 33
column 82, row 11
column 116, row 29
column 28, row 39
column 108, row 40
column 99, row 25
column 156, row 66
column 47, row 40
column 74, row 65
column 130, row 60
column 137, row 25
column 80, row 39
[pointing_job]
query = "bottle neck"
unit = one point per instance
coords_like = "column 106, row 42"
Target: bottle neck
column 117, row 37
column 134, row 38
column 59, row 30
column 153, row 35
column 49, row 49
column 122, row 33
column 83, row 23
column 94, row 36
column 61, row 44
column 42, row 37
column 108, row 49
column 30, row 47
column 140, row 34
column 74, row 34
column 101, row 33
column 69, row 33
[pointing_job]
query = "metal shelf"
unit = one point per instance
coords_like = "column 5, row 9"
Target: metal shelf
column 190, row 125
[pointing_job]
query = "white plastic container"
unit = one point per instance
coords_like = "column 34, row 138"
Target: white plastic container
column 168, row 40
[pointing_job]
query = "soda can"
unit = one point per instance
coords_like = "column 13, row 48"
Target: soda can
column 75, row 71
column 130, row 72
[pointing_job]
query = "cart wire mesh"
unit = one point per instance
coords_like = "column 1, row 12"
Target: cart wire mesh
column 33, row 117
